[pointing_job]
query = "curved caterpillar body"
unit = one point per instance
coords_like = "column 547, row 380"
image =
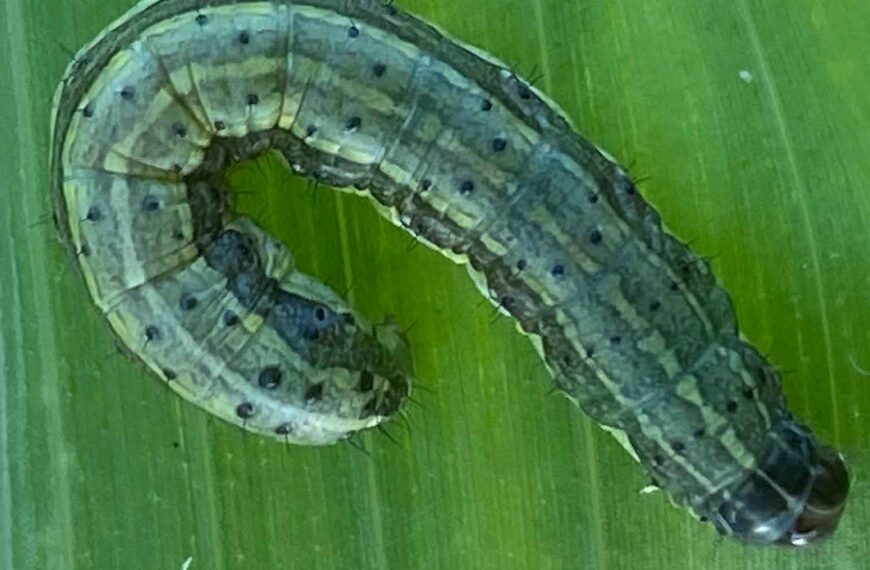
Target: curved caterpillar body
column 456, row 149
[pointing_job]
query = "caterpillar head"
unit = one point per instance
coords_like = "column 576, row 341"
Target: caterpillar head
column 794, row 496
column 825, row 503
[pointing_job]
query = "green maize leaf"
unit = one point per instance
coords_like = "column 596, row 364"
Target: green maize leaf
column 751, row 120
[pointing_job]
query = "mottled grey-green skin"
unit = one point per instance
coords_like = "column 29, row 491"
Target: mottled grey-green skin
column 633, row 325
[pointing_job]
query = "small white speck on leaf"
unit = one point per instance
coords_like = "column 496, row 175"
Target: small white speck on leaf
column 186, row 564
column 746, row 76
column 858, row 368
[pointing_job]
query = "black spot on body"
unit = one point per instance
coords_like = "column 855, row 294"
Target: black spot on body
column 674, row 286
column 698, row 433
column 506, row 301
column 366, row 381
column 352, row 124
column 296, row 321
column 593, row 198
column 88, row 111
column 230, row 319
column 731, row 407
column 85, row 250
column 558, row 270
column 201, row 19
column 685, row 269
column 270, row 377
column 678, row 446
column 188, row 302
column 658, row 459
column 284, row 429
column 524, row 92
column 94, row 214
column 314, row 392
column 425, row 185
column 467, row 187
column 499, row 144
column 521, row 264
column 353, row 32
column 178, row 235
column 179, row 130
column 245, row 410
column 486, row 105
column 232, row 254
column 379, row 69
column 655, row 306
column 152, row 333
column 310, row 130
column 615, row 339
column 219, row 125
column 151, row 203
column 127, row 93
column 596, row 237
column 244, row 37
column 252, row 99
column 170, row 375
column 748, row 393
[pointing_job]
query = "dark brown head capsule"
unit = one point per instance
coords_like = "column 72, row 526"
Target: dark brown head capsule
column 793, row 497
column 825, row 504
